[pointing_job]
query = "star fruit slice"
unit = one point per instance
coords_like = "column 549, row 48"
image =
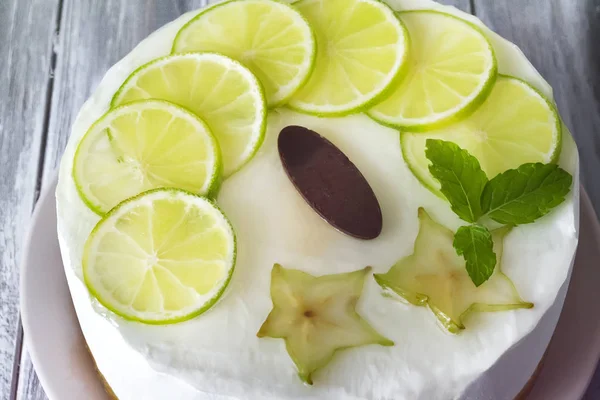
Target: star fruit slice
column 435, row 276
column 316, row 316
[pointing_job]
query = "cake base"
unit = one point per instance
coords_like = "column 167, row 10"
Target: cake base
column 111, row 394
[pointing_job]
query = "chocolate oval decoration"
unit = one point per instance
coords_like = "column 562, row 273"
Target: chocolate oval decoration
column 329, row 182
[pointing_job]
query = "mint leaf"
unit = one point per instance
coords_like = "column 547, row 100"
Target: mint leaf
column 460, row 176
column 522, row 195
column 475, row 244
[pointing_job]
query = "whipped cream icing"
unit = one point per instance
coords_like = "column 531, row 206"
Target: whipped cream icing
column 218, row 356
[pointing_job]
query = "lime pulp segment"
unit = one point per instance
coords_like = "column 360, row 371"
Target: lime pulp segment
column 452, row 70
column 271, row 38
column 361, row 49
column 218, row 89
column 514, row 126
column 142, row 146
column 164, row 256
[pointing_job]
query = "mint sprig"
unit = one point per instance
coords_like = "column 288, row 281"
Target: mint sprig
column 520, row 196
column 460, row 175
column 475, row 244
column 514, row 197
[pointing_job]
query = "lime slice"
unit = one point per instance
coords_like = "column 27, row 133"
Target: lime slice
column 164, row 256
column 361, row 49
column 270, row 38
column 220, row 90
column 453, row 70
column 514, row 126
column 141, row 146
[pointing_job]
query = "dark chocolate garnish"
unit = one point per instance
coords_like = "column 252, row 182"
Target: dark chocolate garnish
column 329, row 182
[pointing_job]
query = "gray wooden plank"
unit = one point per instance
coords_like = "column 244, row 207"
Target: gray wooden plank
column 93, row 36
column 26, row 29
column 560, row 37
column 29, row 386
column 464, row 5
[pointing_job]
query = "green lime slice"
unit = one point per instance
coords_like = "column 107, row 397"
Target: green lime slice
column 514, row 126
column 361, row 49
column 220, row 90
column 452, row 70
column 269, row 37
column 141, row 146
column 161, row 257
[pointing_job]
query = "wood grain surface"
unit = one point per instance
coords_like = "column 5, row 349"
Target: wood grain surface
column 53, row 54
column 26, row 36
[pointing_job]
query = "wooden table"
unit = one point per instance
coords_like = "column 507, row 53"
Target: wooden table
column 53, row 54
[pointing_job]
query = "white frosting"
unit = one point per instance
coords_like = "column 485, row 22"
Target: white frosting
column 218, row 356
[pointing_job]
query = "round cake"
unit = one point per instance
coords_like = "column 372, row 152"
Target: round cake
column 320, row 200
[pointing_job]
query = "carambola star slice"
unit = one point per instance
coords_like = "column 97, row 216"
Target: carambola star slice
column 316, row 316
column 435, row 276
